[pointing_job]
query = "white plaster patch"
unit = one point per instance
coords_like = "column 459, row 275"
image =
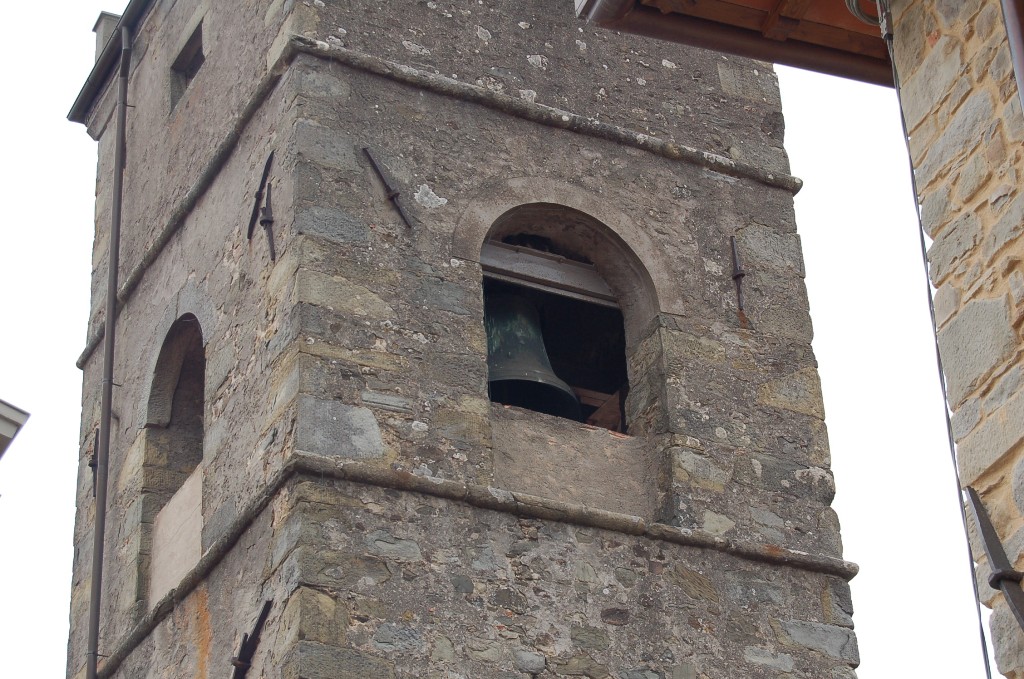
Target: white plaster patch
column 667, row 64
column 426, row 197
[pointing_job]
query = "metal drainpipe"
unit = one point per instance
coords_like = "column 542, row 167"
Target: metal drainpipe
column 103, row 452
column 1013, row 17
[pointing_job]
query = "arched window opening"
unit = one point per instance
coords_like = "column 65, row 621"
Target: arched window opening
column 555, row 334
column 175, row 415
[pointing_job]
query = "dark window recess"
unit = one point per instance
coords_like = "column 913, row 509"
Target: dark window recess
column 188, row 63
column 555, row 354
column 174, row 444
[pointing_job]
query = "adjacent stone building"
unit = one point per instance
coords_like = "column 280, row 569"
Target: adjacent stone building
column 323, row 200
column 963, row 110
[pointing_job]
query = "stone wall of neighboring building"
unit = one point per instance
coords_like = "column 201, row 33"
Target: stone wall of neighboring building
column 963, row 112
column 352, row 468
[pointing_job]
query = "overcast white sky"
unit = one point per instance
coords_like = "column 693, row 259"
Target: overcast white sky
column 896, row 490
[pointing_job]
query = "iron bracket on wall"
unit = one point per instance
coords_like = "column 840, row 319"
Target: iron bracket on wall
column 243, row 661
column 261, row 210
column 92, row 458
column 392, row 192
column 737, row 276
column 1003, row 576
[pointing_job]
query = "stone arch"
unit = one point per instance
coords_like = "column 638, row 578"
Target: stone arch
column 576, row 231
column 181, row 354
column 624, row 254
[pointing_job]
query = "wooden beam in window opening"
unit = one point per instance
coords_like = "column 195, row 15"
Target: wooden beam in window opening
column 544, row 271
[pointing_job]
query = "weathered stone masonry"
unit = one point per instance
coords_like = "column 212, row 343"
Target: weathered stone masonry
column 353, row 469
column 962, row 109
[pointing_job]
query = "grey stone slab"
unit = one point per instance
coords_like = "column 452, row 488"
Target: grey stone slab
column 1007, row 229
column 835, row 642
column 978, row 339
column 991, row 440
column 952, row 245
column 331, row 223
column 336, row 429
column 320, row 661
column 931, row 81
column 947, row 299
column 962, row 133
column 324, row 145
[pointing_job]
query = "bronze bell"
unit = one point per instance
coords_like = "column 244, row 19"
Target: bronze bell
column 519, row 371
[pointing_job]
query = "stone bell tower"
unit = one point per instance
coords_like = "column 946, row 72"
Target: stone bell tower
column 310, row 446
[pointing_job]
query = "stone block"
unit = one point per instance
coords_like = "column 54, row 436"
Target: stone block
column 910, row 45
column 1007, row 229
column 311, row 615
column 952, row 246
column 935, row 210
column 326, row 427
column 799, row 392
column 528, row 661
column 956, row 12
column 177, row 536
column 1009, row 651
column 394, row 638
column 924, row 90
column 1008, row 386
column 947, row 299
column 312, row 660
column 764, row 247
column 556, row 458
column 978, row 339
column 996, row 436
column 331, row 223
column 961, row 133
column 835, row 642
column 972, row 177
column 384, row 544
column 966, row 418
column 340, row 295
column 324, row 146
column 761, row 656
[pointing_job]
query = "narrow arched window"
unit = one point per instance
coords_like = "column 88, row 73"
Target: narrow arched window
column 171, row 502
column 175, row 414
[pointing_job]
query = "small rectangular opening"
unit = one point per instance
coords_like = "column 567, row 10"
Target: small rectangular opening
column 187, row 65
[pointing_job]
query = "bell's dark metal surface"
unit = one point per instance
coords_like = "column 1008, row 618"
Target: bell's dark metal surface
column 519, row 371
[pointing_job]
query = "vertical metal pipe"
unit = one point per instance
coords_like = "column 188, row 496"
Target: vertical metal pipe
column 1013, row 17
column 103, row 453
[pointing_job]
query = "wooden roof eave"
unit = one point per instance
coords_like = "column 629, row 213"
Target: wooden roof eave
column 630, row 17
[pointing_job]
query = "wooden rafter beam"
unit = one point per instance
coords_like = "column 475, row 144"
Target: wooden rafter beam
column 784, row 18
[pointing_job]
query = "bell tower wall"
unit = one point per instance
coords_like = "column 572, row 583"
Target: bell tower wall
column 354, row 470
